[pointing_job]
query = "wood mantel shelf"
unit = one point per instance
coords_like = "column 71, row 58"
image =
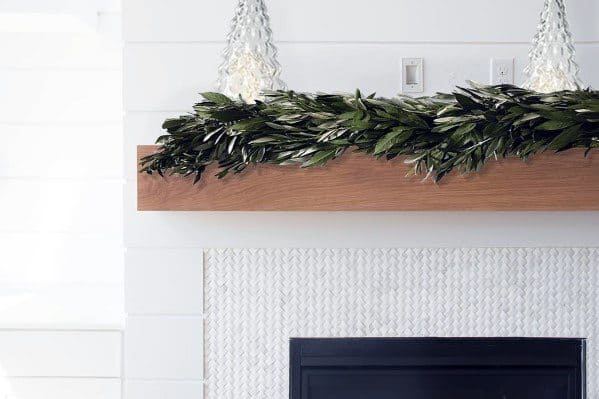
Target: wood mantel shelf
column 355, row 182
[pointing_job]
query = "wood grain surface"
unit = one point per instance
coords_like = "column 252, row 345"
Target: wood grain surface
column 356, row 182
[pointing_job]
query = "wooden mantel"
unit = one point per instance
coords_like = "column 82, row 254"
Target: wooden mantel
column 560, row 182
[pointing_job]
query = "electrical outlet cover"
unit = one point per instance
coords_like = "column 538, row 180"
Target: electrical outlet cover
column 412, row 79
column 502, row 71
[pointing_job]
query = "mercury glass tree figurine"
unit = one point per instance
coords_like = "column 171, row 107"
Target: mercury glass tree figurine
column 552, row 64
column 250, row 63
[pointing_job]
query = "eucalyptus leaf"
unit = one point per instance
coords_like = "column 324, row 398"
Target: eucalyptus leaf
column 554, row 125
column 390, row 139
column 217, row 98
column 565, row 139
column 248, row 124
column 319, row 158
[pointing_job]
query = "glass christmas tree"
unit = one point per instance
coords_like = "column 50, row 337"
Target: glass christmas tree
column 552, row 64
column 250, row 63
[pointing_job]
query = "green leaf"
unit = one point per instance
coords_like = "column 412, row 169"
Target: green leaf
column 172, row 123
column 554, row 125
column 565, row 139
column 363, row 124
column 462, row 131
column 222, row 173
column 248, row 124
column 444, row 128
column 319, row 158
column 392, row 138
column 346, row 116
column 277, row 126
column 466, row 102
column 211, row 134
column 231, row 145
column 264, row 140
column 217, row 98
column 331, row 135
column 527, row 118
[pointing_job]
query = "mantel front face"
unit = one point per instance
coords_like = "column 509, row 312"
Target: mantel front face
column 550, row 182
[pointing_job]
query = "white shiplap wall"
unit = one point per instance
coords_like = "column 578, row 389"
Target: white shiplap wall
column 60, row 167
column 68, row 363
column 61, row 245
column 172, row 50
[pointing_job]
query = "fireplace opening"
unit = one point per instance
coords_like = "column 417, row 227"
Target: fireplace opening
column 437, row 368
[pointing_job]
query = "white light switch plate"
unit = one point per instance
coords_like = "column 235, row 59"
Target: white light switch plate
column 502, row 71
column 412, row 75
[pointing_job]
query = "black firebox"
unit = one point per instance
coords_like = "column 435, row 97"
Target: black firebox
column 437, row 368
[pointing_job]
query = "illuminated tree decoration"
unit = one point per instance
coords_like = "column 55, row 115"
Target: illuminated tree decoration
column 250, row 63
column 552, row 64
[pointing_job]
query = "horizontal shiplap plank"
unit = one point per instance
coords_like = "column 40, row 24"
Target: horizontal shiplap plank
column 60, row 353
column 60, row 206
column 61, row 305
column 149, row 83
column 70, row 7
column 353, row 20
column 77, row 96
column 164, row 347
column 135, row 389
column 60, row 151
column 85, row 11
column 166, row 93
column 163, row 281
column 42, row 50
column 338, row 229
column 60, row 388
column 61, row 258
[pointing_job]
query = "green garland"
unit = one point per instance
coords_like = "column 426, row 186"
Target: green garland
column 460, row 131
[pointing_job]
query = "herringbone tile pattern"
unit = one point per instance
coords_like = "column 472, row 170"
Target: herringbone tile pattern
column 256, row 299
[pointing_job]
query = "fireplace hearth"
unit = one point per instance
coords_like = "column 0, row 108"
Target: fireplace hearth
column 437, row 368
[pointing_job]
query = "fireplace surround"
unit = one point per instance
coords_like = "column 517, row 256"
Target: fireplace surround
column 256, row 299
column 437, row 368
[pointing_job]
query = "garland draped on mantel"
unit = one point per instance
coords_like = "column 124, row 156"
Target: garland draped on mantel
column 462, row 130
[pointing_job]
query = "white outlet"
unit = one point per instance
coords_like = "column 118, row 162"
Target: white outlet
column 412, row 79
column 502, row 71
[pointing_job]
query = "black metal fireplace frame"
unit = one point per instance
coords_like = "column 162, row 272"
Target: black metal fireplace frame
column 311, row 353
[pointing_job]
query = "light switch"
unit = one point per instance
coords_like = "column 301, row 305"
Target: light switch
column 412, row 80
column 502, row 71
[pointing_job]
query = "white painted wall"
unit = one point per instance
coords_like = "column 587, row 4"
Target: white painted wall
column 70, row 363
column 61, row 250
column 61, row 163
column 172, row 50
